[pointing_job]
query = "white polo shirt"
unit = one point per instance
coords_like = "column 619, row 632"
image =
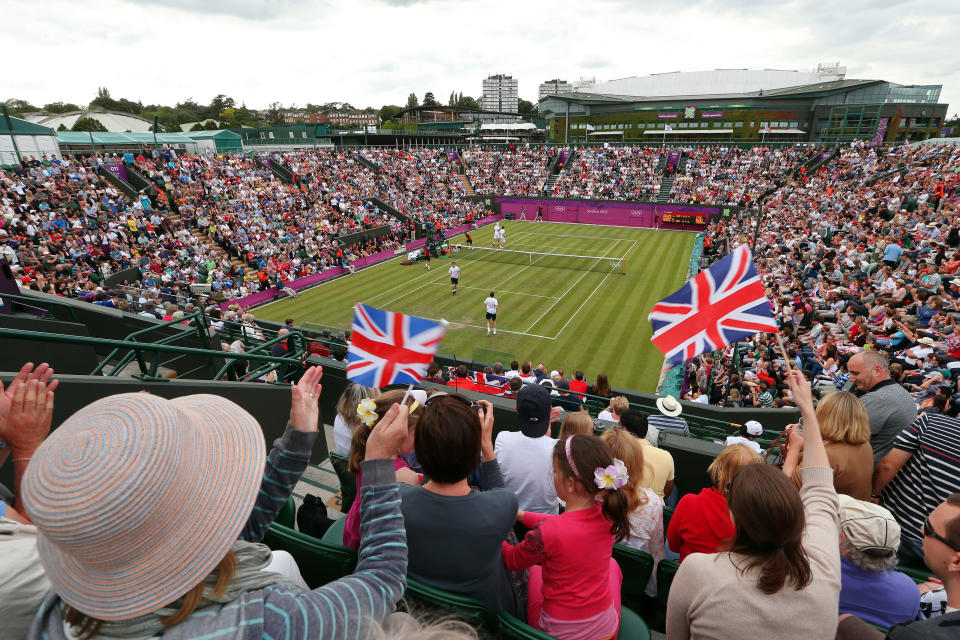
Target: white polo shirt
column 527, row 467
column 491, row 304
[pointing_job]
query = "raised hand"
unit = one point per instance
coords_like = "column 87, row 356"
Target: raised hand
column 27, row 372
column 28, row 421
column 304, row 410
column 388, row 434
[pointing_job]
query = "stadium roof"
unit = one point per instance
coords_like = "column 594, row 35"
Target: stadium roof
column 222, row 134
column 113, row 137
column 111, row 120
column 806, row 90
column 24, row 128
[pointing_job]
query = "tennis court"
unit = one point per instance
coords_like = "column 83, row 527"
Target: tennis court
column 576, row 310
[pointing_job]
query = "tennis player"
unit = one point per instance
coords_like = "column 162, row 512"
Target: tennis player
column 454, row 272
column 496, row 234
column 491, row 305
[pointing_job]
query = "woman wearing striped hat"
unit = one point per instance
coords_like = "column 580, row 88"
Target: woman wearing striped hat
column 148, row 511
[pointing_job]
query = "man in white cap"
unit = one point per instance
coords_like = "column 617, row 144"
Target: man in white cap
column 668, row 419
column 871, row 587
column 749, row 432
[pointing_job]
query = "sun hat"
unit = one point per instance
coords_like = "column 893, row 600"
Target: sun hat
column 869, row 527
column 137, row 498
column 927, row 341
column 753, row 427
column 669, row 406
column 533, row 410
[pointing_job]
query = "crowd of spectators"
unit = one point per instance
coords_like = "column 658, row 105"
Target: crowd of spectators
column 613, row 173
column 520, row 171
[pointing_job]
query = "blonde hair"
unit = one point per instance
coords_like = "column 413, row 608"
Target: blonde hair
column 575, row 422
column 619, row 405
column 843, row 418
column 725, row 465
column 627, row 448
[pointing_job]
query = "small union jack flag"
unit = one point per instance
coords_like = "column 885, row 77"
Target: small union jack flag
column 390, row 348
column 719, row 306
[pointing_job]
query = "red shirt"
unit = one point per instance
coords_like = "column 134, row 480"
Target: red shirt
column 700, row 524
column 578, row 386
column 574, row 549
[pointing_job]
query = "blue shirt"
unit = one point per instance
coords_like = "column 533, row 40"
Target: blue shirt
column 883, row 599
column 892, row 252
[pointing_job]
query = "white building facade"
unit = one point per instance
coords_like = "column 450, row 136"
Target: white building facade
column 553, row 87
column 500, row 93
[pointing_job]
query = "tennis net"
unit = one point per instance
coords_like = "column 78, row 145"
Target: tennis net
column 550, row 260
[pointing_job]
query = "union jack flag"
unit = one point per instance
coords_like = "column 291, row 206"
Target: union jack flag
column 719, row 306
column 390, row 348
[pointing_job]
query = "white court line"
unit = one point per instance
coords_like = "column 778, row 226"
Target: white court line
column 519, row 293
column 454, row 325
column 568, row 235
column 542, row 315
column 403, row 295
column 598, row 287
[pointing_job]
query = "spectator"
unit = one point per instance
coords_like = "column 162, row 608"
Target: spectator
column 871, row 587
column 889, row 406
column 453, row 532
column 846, row 433
column 526, row 456
column 668, row 418
column 941, row 552
column 348, row 420
column 227, row 457
column 601, row 387
column 783, row 559
column 701, row 522
column 434, row 373
column 747, row 436
column 574, row 423
column 921, row 470
column 617, row 407
column 658, row 470
column 567, row 401
column 370, row 411
column 574, row 586
column 645, row 507
column 578, row 384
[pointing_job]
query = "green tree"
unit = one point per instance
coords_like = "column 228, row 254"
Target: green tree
column 60, row 107
column 62, row 127
column 389, row 112
column 429, row 100
column 88, row 124
column 197, row 127
column 210, row 125
column 526, row 107
column 412, row 101
column 18, row 107
column 466, row 102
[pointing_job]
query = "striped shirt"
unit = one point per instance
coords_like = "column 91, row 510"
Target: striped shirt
column 660, row 422
column 929, row 476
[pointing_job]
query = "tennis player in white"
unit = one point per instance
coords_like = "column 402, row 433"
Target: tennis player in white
column 491, row 305
column 496, row 234
column 454, row 272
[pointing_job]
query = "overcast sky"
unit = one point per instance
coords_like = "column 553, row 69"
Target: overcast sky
column 375, row 52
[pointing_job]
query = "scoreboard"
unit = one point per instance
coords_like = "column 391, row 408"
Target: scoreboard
column 685, row 218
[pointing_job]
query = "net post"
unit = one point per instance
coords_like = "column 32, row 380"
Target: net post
column 623, row 266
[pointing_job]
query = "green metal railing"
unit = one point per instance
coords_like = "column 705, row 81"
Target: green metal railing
column 45, row 305
column 143, row 349
column 198, row 329
column 266, row 368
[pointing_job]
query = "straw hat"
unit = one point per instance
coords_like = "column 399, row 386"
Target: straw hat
column 669, row 406
column 137, row 498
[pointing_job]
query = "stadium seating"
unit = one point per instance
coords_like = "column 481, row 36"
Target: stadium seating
column 348, row 481
column 637, row 567
column 472, row 611
column 320, row 562
column 632, row 627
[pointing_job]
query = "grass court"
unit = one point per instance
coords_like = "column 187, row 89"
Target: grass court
column 575, row 318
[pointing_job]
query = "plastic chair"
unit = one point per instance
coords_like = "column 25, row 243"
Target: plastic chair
column 319, row 561
column 632, row 627
column 636, row 566
column 657, row 614
column 472, row 611
column 334, row 535
column 287, row 516
column 667, row 514
column 348, row 481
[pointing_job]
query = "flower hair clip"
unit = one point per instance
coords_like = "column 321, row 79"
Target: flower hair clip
column 367, row 410
column 612, row 477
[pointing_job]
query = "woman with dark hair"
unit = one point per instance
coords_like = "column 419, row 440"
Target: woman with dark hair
column 601, row 387
column 783, row 563
column 454, row 531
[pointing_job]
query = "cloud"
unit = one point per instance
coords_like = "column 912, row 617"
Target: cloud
column 246, row 9
column 594, row 63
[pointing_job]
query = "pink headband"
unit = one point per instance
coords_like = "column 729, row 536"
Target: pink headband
column 570, row 458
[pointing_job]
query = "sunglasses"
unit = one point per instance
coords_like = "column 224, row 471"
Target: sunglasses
column 463, row 399
column 930, row 533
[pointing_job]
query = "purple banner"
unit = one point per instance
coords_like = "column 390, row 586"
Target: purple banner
column 620, row 214
column 452, row 155
column 711, row 114
column 881, row 132
column 563, row 156
column 118, row 170
column 665, row 116
column 265, row 160
column 673, row 159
